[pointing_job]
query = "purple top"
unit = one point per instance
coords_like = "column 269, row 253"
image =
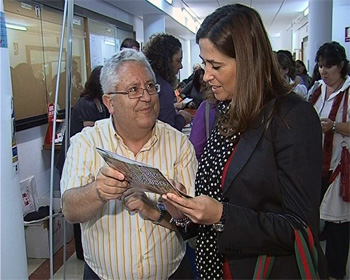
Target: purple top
column 167, row 111
column 198, row 132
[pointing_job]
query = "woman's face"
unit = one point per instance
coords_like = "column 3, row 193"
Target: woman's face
column 330, row 74
column 220, row 70
column 177, row 61
column 299, row 68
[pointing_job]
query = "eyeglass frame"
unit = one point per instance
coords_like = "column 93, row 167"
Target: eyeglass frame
column 156, row 86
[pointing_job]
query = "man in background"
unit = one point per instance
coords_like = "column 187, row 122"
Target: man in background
column 130, row 43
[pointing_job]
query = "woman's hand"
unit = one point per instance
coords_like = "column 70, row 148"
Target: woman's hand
column 326, row 124
column 200, row 209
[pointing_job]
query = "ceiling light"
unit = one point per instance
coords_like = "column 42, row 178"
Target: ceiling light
column 306, row 11
column 16, row 27
column 189, row 11
column 111, row 43
column 169, row 1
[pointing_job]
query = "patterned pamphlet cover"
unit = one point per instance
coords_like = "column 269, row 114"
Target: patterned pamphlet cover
column 140, row 175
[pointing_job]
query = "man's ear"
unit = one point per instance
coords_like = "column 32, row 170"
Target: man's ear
column 108, row 102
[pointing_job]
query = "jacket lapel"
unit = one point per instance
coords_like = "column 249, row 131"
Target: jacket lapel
column 245, row 148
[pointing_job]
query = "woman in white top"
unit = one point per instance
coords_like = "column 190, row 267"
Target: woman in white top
column 328, row 99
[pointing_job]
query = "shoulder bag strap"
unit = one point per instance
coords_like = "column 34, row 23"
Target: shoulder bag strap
column 207, row 109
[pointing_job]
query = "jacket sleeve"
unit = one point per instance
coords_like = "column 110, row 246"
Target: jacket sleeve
column 281, row 179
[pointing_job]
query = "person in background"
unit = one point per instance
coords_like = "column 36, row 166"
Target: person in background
column 314, row 81
column 126, row 232
column 328, row 99
column 130, row 43
column 178, row 92
column 86, row 112
column 302, row 73
column 179, row 97
column 203, row 123
column 76, row 87
column 195, row 89
column 30, row 92
column 260, row 172
column 166, row 66
column 288, row 72
column 195, row 67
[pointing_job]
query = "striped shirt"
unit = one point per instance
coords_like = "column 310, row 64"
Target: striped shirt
column 116, row 243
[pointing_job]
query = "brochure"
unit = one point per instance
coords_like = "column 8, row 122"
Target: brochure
column 187, row 100
column 140, row 175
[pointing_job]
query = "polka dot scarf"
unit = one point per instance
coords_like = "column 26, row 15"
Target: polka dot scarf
column 208, row 182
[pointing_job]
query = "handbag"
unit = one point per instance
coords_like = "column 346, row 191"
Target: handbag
column 344, row 164
column 305, row 253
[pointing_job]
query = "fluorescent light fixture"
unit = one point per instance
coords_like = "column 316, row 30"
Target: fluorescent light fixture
column 16, row 27
column 306, row 11
column 111, row 43
column 189, row 11
column 169, row 1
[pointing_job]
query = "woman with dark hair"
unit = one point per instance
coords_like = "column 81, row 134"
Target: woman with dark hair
column 331, row 100
column 259, row 175
column 302, row 73
column 289, row 74
column 195, row 89
column 316, row 76
column 164, row 53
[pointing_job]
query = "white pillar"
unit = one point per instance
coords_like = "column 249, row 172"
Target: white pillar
column 153, row 24
column 13, row 260
column 320, row 27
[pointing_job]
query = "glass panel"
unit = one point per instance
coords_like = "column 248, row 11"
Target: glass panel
column 52, row 28
column 102, row 42
column 34, row 40
column 28, row 81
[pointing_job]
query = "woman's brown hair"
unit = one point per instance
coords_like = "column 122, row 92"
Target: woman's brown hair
column 238, row 32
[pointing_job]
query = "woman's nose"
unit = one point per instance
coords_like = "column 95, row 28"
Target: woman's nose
column 207, row 76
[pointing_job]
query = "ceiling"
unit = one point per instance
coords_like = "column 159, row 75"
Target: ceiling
column 277, row 15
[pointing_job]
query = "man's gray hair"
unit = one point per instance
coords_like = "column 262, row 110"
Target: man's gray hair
column 109, row 74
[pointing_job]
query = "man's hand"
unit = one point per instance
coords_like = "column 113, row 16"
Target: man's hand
column 137, row 201
column 110, row 183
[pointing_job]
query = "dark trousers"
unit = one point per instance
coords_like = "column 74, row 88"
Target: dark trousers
column 77, row 238
column 183, row 272
column 337, row 248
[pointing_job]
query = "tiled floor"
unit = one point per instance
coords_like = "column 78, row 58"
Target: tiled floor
column 39, row 269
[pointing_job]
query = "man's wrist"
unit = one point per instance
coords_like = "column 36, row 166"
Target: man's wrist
column 162, row 212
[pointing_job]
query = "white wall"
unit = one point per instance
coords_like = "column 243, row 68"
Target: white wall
column 341, row 19
column 33, row 159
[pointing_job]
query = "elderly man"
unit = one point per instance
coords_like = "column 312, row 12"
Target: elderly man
column 126, row 233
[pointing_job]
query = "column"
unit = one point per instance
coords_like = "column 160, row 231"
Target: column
column 320, row 27
column 153, row 24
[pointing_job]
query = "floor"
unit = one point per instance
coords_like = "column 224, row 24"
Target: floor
column 39, row 269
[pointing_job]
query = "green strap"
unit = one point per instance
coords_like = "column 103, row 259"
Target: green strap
column 263, row 267
column 306, row 256
column 305, row 253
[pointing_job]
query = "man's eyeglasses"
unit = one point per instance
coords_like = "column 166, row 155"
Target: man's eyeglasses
column 137, row 92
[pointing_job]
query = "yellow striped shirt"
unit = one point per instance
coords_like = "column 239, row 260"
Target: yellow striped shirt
column 117, row 244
